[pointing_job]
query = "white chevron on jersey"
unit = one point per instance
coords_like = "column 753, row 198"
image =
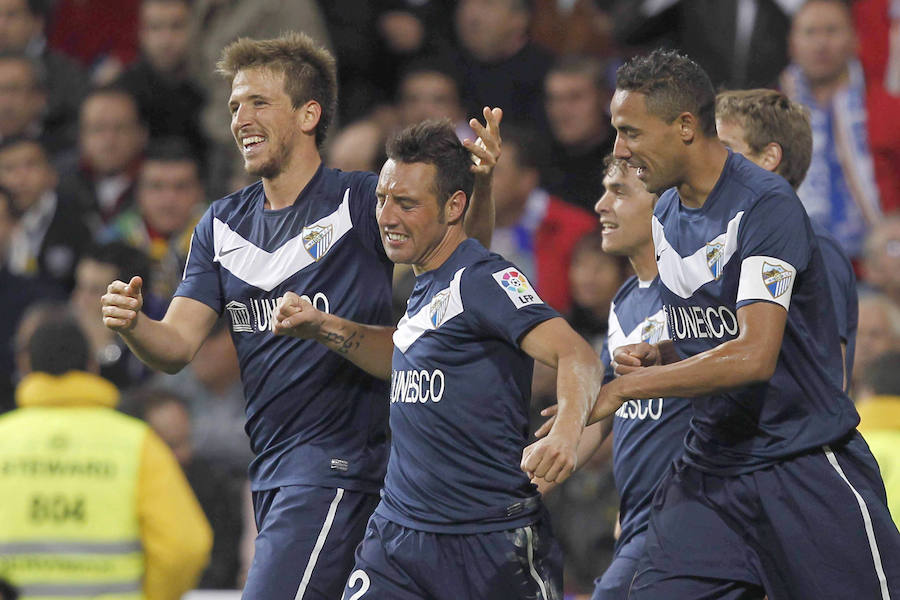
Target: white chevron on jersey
column 266, row 270
column 684, row 276
column 445, row 307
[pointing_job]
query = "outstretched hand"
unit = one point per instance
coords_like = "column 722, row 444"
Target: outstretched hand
column 295, row 316
column 122, row 303
column 486, row 149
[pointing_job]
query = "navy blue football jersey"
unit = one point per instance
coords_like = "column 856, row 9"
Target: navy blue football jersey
column 842, row 284
column 460, row 391
column 648, row 434
column 750, row 242
column 313, row 417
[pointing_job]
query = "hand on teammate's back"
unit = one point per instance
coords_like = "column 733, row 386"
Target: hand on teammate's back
column 122, row 303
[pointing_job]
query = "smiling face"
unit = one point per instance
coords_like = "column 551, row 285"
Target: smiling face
column 625, row 210
column 264, row 122
column 411, row 222
column 646, row 142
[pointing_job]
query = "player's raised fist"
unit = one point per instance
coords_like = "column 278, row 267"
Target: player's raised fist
column 295, row 316
column 122, row 303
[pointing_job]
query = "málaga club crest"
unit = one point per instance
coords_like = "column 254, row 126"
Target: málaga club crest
column 715, row 252
column 776, row 278
column 317, row 240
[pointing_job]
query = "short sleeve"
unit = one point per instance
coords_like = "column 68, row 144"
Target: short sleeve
column 608, row 373
column 362, row 211
column 501, row 301
column 774, row 240
column 200, row 279
column 841, row 285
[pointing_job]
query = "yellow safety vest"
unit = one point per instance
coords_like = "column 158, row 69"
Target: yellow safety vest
column 68, row 503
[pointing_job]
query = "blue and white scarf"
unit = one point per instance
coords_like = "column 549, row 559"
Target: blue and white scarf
column 840, row 189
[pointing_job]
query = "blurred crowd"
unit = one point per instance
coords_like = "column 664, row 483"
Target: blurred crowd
column 114, row 138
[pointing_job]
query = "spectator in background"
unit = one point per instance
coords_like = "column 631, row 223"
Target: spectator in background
column 16, row 294
column 594, row 277
column 218, row 492
column 170, row 102
column 878, row 332
column 577, row 99
column 879, row 414
column 99, row 265
column 100, row 179
column 740, row 43
column 878, row 30
column 169, row 202
column 500, row 65
column 119, row 517
column 51, row 234
column 431, row 90
column 22, row 97
column 22, row 30
column 840, row 190
column 533, row 229
column 99, row 34
column 357, row 147
column 211, row 385
column 882, row 258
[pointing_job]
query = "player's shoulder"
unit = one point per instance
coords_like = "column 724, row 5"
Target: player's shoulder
column 749, row 184
column 626, row 290
column 335, row 182
column 238, row 202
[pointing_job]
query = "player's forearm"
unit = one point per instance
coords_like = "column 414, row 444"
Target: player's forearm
column 579, row 375
column 731, row 365
column 158, row 344
column 479, row 220
column 369, row 347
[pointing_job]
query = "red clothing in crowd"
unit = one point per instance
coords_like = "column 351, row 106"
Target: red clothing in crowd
column 91, row 30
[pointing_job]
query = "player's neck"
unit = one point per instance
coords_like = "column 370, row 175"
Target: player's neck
column 283, row 189
column 441, row 252
column 705, row 163
column 644, row 262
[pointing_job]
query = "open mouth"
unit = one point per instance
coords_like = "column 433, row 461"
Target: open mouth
column 251, row 143
column 395, row 238
column 607, row 227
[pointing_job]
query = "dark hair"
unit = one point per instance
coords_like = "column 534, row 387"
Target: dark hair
column 768, row 116
column 128, row 260
column 592, row 68
column 611, row 163
column 432, row 65
column 114, row 89
column 58, row 345
column 310, row 71
column 17, row 140
column 434, row 142
column 530, row 148
column 882, row 376
column 673, row 84
column 7, row 591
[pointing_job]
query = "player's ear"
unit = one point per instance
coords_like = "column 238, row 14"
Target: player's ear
column 770, row 156
column 687, row 126
column 308, row 116
column 455, row 206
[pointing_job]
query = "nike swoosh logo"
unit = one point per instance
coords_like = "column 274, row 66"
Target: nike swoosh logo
column 230, row 250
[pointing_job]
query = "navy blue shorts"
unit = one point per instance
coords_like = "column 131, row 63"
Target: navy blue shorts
column 397, row 563
column 614, row 583
column 814, row 526
column 307, row 535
